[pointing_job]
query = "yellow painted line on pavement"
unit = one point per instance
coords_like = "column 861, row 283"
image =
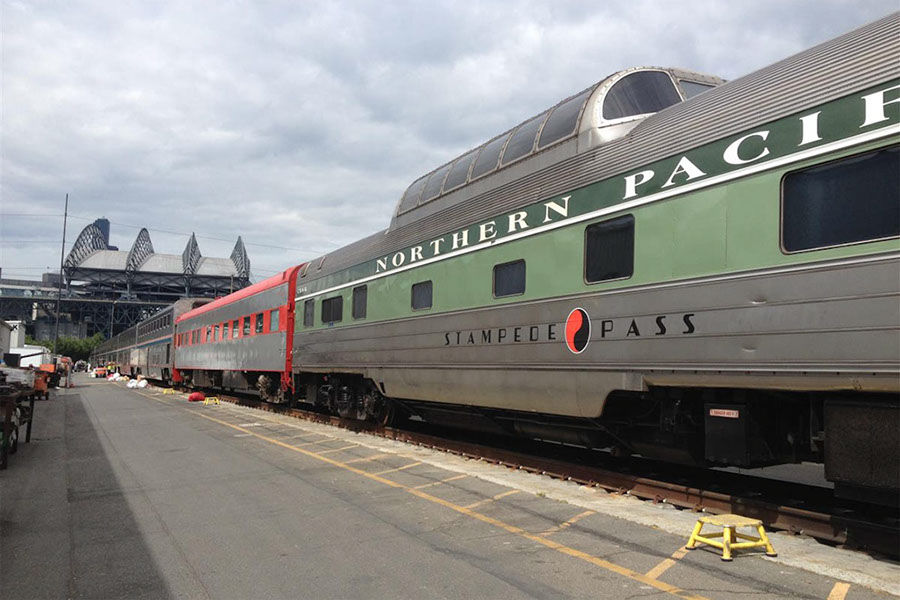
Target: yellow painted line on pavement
column 839, row 591
column 338, row 449
column 315, row 443
column 434, row 483
column 403, row 468
column 583, row 556
column 489, row 500
column 569, row 523
column 367, row 458
column 665, row 565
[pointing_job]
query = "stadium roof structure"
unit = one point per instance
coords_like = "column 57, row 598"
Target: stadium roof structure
column 142, row 273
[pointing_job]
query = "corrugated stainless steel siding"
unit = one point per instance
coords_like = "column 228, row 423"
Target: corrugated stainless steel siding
column 850, row 63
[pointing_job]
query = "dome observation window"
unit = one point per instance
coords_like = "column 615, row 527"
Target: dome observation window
column 433, row 188
column 692, row 88
column 460, row 171
column 522, row 141
column 640, row 93
column 488, row 158
column 411, row 197
column 562, row 121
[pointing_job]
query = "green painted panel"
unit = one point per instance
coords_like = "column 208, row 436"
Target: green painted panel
column 729, row 228
column 836, row 123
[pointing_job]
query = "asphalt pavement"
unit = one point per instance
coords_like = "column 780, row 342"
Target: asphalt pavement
column 139, row 494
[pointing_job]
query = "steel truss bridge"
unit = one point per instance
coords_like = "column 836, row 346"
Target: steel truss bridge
column 105, row 316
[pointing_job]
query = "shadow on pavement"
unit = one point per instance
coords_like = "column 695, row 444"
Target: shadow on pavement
column 66, row 527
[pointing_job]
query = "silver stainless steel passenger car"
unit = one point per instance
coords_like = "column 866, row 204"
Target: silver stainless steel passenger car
column 664, row 263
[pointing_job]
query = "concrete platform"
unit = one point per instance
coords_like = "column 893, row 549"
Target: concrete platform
column 135, row 494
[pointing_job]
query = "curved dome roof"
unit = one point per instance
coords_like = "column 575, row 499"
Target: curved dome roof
column 603, row 112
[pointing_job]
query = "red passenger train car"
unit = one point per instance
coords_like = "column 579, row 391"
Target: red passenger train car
column 243, row 341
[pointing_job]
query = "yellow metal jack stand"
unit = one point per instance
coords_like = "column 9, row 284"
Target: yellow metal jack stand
column 729, row 523
column 169, row 391
column 211, row 400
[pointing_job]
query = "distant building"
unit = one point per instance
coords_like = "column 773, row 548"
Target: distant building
column 103, row 271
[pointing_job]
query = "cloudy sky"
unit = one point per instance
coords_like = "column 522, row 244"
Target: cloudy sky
column 298, row 125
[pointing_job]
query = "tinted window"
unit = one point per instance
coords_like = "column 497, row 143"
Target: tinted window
column 609, row 250
column 487, row 159
column 215, row 333
column 274, row 319
column 333, row 310
column 359, row 302
column 562, row 120
column 246, row 325
column 522, row 141
column 259, row 323
column 852, row 200
column 421, row 295
column 459, row 172
column 225, row 331
column 692, row 88
column 640, row 93
column 509, row 279
column 411, row 197
column 309, row 313
column 433, row 189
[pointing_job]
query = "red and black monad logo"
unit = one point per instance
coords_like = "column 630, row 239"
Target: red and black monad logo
column 578, row 330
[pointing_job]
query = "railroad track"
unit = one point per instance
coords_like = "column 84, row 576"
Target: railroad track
column 798, row 509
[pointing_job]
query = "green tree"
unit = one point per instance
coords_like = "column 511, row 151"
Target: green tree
column 75, row 348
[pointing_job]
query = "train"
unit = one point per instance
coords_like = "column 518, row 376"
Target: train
column 664, row 264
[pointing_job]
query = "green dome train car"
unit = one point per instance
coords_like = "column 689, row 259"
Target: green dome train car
column 664, row 264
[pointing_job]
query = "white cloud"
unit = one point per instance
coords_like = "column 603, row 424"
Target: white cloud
column 300, row 124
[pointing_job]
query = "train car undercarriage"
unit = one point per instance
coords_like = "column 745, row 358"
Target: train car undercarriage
column 853, row 434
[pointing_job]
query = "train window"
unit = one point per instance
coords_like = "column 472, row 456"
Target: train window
column 411, row 198
column 853, row 200
column 509, row 279
column 522, row 141
column 609, row 250
column 692, row 88
column 333, row 310
column 274, row 318
column 433, row 188
column 309, row 313
column 216, row 333
column 235, row 331
column 226, row 330
column 460, row 171
column 246, row 326
column 562, row 121
column 488, row 157
column 360, row 297
column 640, row 93
column 421, row 295
column 259, row 322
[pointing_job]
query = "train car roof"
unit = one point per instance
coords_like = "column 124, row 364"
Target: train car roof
column 605, row 111
column 854, row 61
column 246, row 292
